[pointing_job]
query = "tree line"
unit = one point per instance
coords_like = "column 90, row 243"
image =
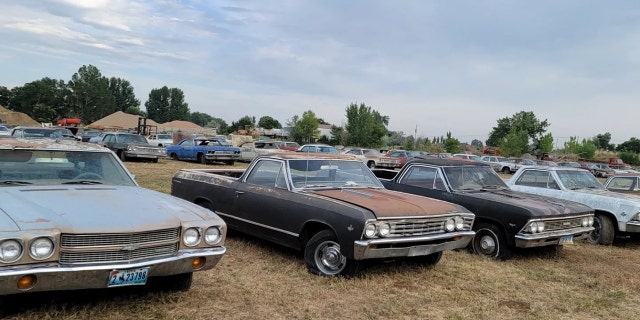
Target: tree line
column 90, row 96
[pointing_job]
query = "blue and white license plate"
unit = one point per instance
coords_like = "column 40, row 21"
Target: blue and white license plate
column 566, row 240
column 128, row 277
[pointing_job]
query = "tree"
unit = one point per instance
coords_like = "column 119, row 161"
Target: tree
column 409, row 143
column 338, row 136
column 219, row 124
column 396, row 138
column 522, row 121
column 304, row 129
column 546, row 143
column 268, row 123
column 585, row 149
column 199, row 118
column 514, row 143
column 243, row 123
column 122, row 91
column 477, row 143
column 602, row 141
column 631, row 145
column 5, row 96
column 365, row 126
column 90, row 98
column 629, row 157
column 47, row 93
column 166, row 105
column 451, row 144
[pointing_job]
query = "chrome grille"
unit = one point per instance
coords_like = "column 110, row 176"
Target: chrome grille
column 118, row 239
column 122, row 256
column 418, row 227
column 562, row 224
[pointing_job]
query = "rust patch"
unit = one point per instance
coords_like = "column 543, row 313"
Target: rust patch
column 387, row 203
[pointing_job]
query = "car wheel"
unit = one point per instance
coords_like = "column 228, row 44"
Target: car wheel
column 202, row 159
column 323, row 257
column 506, row 170
column 174, row 156
column 371, row 165
column 428, row 260
column 154, row 160
column 177, row 282
column 489, row 241
column 123, row 156
column 603, row 232
column 230, row 162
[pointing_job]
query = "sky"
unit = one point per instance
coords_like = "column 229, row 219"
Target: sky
column 432, row 67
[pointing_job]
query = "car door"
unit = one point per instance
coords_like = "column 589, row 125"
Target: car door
column 186, row 150
column 422, row 180
column 266, row 206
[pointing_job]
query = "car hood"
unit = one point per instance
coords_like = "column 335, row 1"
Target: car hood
column 386, row 203
column 536, row 205
column 607, row 193
column 93, row 209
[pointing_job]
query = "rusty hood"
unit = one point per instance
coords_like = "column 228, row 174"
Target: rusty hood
column 386, row 203
column 93, row 209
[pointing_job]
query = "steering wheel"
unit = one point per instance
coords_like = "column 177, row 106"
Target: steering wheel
column 88, row 175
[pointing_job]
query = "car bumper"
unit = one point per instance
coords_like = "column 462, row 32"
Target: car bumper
column 221, row 157
column 551, row 238
column 144, row 155
column 53, row 277
column 632, row 226
column 410, row 246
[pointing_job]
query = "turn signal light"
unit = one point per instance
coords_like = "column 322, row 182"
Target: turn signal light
column 27, row 282
column 198, row 263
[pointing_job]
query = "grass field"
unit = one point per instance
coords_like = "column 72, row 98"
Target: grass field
column 257, row 280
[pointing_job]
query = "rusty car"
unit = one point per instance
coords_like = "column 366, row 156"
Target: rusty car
column 505, row 219
column 72, row 217
column 330, row 207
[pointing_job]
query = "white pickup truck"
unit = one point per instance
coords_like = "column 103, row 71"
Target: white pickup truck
column 615, row 213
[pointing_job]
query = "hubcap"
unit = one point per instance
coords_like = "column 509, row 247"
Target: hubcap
column 329, row 259
column 487, row 245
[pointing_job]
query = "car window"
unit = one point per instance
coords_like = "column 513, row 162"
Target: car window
column 621, row 183
column 268, row 173
column 424, row 177
column 538, row 179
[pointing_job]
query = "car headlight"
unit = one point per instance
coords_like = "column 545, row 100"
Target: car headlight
column 540, row 226
column 370, row 230
column 41, row 248
column 459, row 223
column 590, row 221
column 533, row 227
column 212, row 235
column 450, row 225
column 191, row 237
column 10, row 251
column 384, row 229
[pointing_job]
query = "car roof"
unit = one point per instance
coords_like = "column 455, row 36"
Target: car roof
column 447, row 162
column 309, row 156
column 49, row 144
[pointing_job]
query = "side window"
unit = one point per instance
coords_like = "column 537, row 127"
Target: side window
column 538, row 179
column 268, row 173
column 621, row 183
column 424, row 177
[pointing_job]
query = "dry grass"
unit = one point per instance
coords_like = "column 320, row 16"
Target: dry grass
column 258, row 280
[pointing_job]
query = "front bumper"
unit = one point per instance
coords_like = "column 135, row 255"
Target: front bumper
column 550, row 238
column 633, row 226
column 220, row 157
column 130, row 154
column 53, row 277
column 410, row 246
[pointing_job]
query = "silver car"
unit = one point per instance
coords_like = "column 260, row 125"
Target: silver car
column 72, row 217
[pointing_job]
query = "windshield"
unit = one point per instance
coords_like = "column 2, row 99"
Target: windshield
column 579, row 180
column 317, row 173
column 132, row 138
column 473, row 178
column 45, row 167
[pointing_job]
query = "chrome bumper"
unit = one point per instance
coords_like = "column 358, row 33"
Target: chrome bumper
column 410, row 246
column 53, row 277
column 632, row 226
column 550, row 238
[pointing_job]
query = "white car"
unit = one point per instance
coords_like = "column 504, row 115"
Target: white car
column 4, row 131
column 160, row 139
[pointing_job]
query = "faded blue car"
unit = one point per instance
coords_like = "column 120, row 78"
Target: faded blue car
column 204, row 150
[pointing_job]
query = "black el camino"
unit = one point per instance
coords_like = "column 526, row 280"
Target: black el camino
column 505, row 219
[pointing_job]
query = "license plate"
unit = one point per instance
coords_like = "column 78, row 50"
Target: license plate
column 566, row 240
column 128, row 277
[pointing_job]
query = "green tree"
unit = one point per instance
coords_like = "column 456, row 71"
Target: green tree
column 546, row 143
column 122, row 91
column 477, row 143
column 629, row 157
column 365, row 126
column 243, row 123
column 166, row 105
column 5, row 96
column 409, row 143
column 514, row 144
column 43, row 113
column 451, row 144
column 602, row 141
column 522, row 121
column 269, row 123
column 585, row 149
column 304, row 129
column 199, row 118
column 45, row 92
column 338, row 136
column 631, row 145
column 90, row 98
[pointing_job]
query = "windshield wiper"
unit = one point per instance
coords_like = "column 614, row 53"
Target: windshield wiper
column 16, row 182
column 82, row 182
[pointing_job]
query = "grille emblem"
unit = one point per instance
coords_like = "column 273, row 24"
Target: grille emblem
column 131, row 247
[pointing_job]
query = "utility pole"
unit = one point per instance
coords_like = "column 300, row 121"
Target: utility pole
column 415, row 138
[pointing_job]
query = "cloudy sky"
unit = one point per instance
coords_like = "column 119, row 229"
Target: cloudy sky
column 431, row 66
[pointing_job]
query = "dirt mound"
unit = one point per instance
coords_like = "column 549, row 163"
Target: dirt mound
column 16, row 118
